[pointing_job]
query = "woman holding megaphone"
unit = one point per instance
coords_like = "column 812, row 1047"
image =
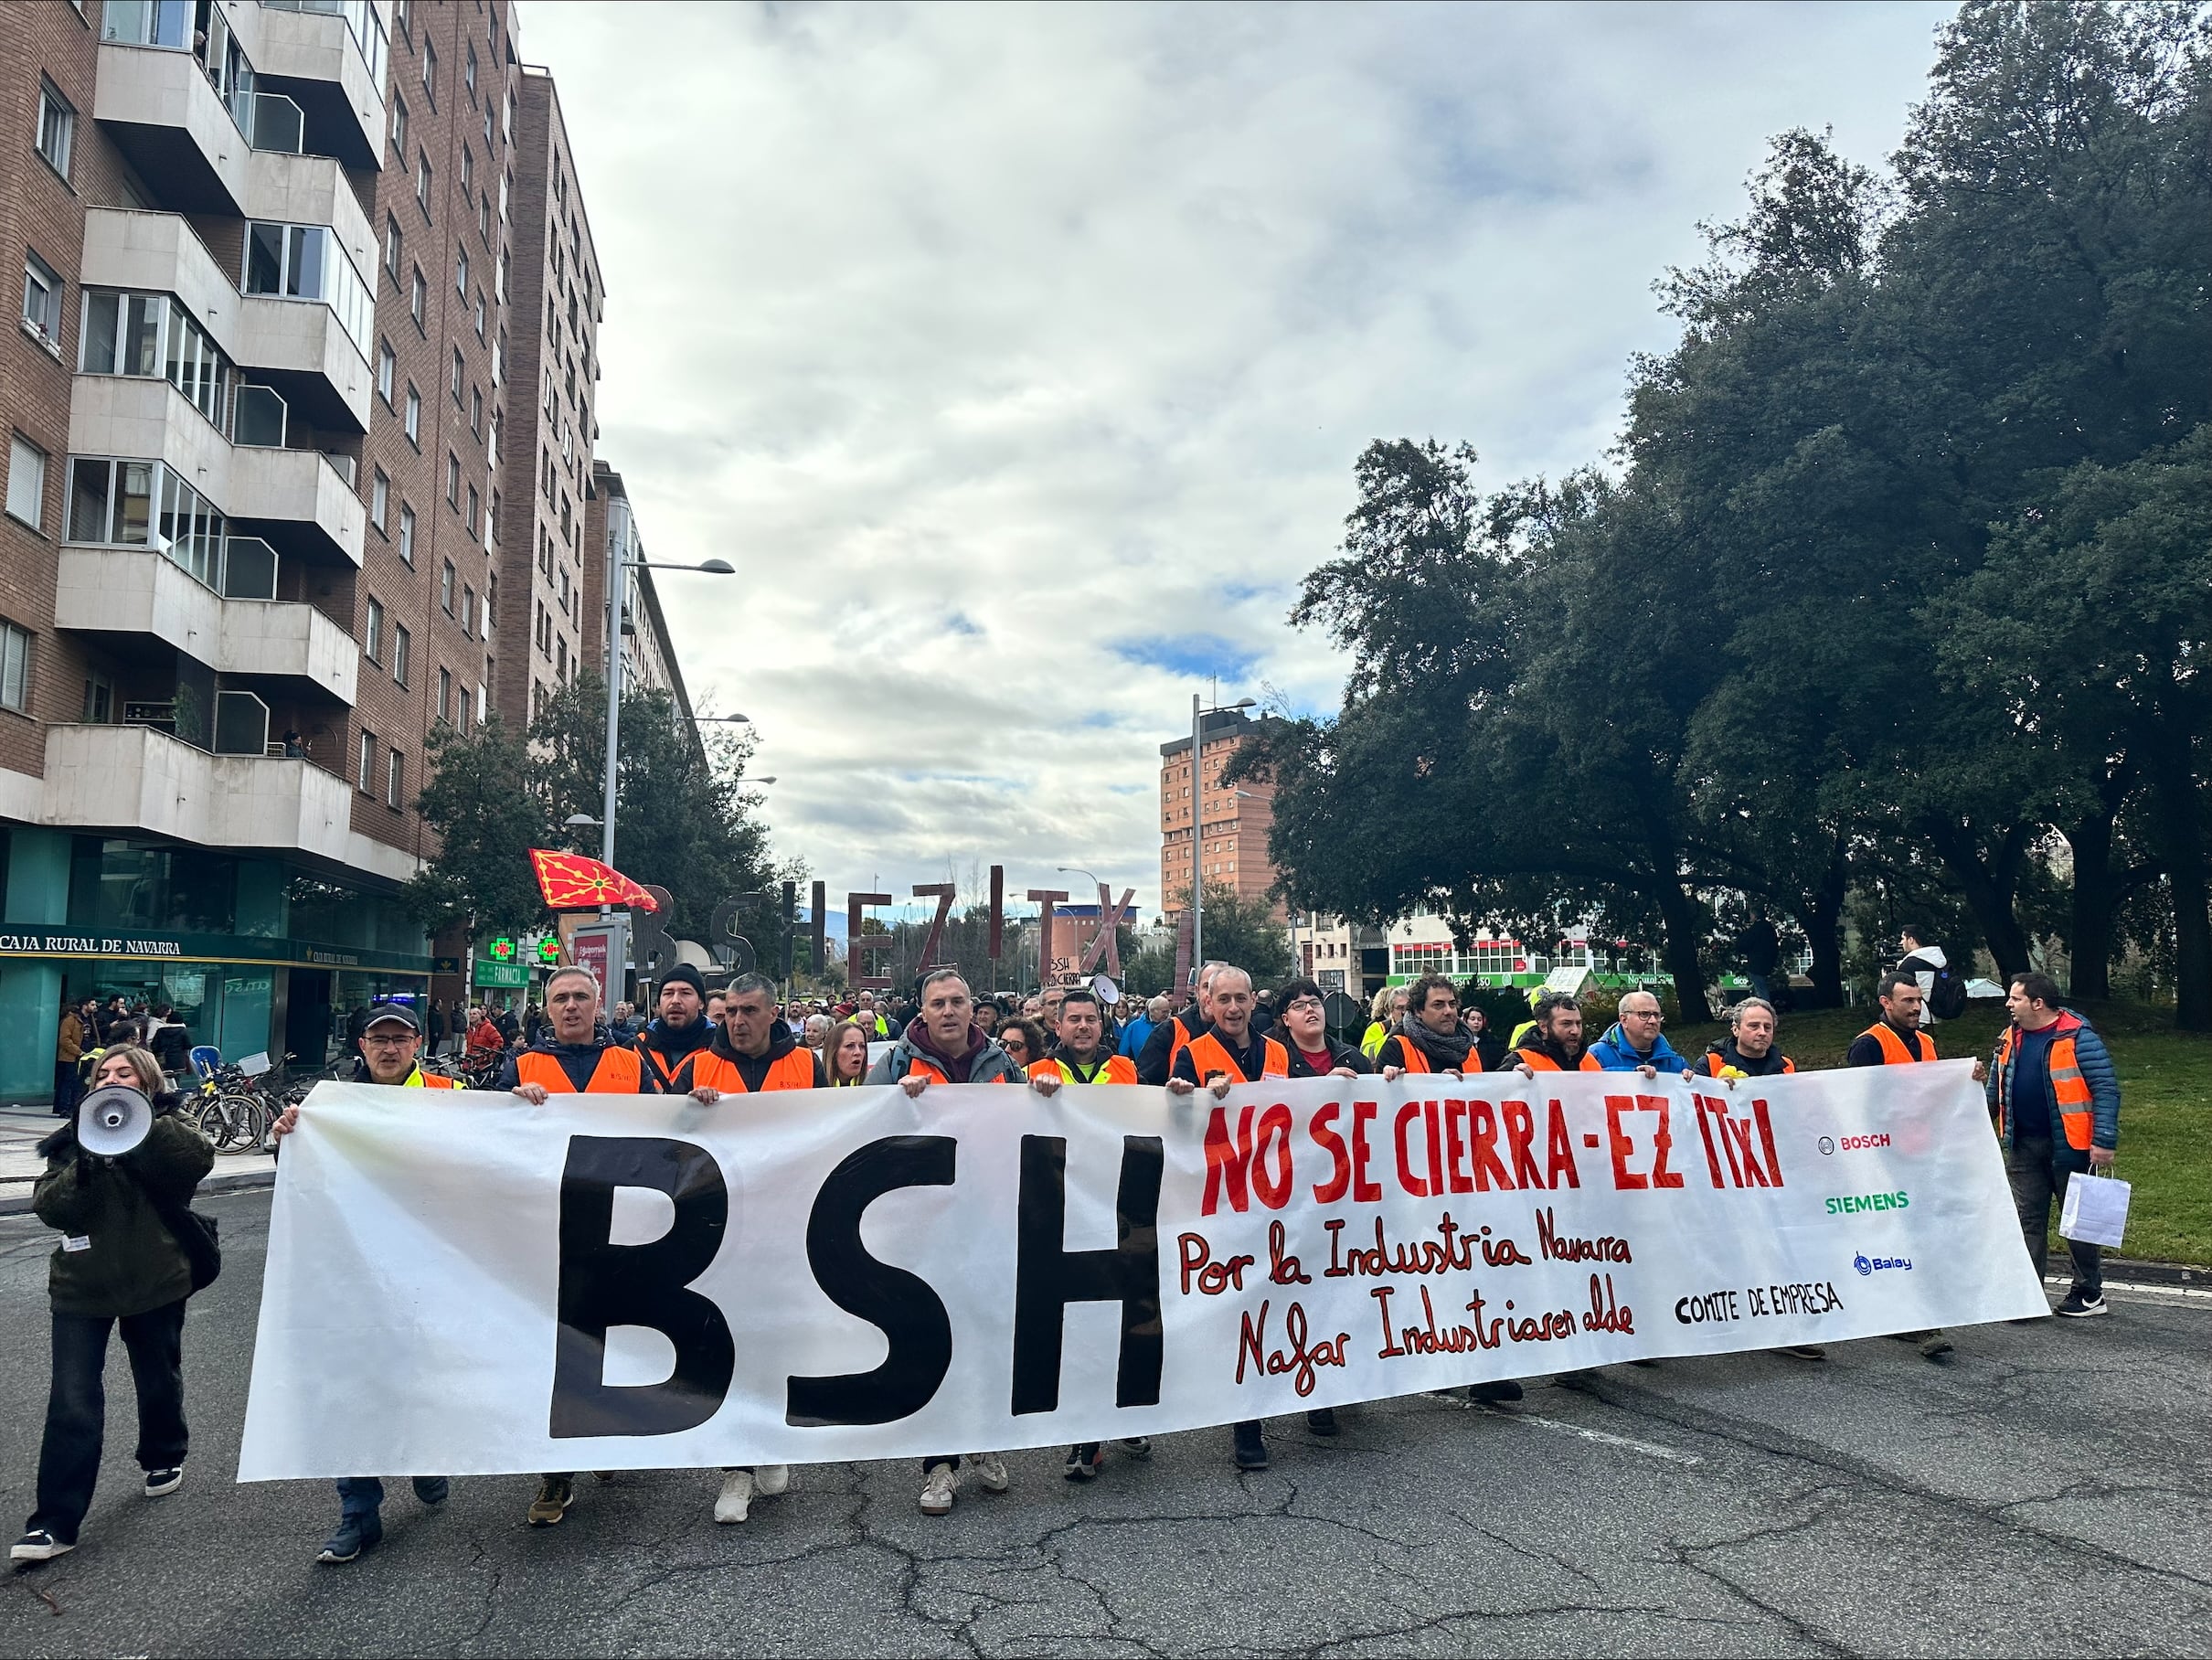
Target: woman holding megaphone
column 116, row 1177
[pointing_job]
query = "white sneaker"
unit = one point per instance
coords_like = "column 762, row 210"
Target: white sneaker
column 990, row 1469
column 938, row 1490
column 737, row 1497
column 37, row 1546
column 768, row 1480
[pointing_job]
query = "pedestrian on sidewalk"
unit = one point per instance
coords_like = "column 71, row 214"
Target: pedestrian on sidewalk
column 118, row 1264
column 68, row 1054
column 2055, row 1100
column 391, row 1046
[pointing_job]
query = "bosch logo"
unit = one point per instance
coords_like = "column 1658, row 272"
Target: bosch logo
column 1855, row 1144
column 1827, row 1143
column 1869, row 1266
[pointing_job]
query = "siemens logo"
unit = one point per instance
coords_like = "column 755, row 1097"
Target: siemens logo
column 1851, row 1204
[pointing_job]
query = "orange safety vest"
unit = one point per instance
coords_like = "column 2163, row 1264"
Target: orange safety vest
column 1114, row 1069
column 1537, row 1060
column 1894, row 1052
column 431, row 1081
column 1714, row 1061
column 619, row 1072
column 1210, row 1055
column 663, row 1075
column 1178, row 1043
column 2069, row 1088
column 792, row 1071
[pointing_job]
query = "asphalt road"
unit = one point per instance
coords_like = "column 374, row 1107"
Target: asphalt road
column 2045, row 1494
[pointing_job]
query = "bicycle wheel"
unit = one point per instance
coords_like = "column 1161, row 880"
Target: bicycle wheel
column 240, row 1113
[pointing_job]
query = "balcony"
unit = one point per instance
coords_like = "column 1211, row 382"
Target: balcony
column 133, row 778
column 300, row 347
column 167, row 119
column 139, row 592
column 296, row 500
column 295, row 189
column 329, row 58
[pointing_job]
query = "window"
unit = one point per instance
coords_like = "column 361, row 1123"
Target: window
column 386, row 361
column 154, row 334
column 468, row 610
column 468, row 71
column 452, row 479
column 414, row 416
column 99, row 699
column 480, row 313
column 400, row 125
column 445, row 694
column 14, row 668
column 490, row 602
column 491, row 447
column 372, row 637
column 500, row 287
column 445, row 589
column 418, row 299
column 366, row 781
column 26, row 482
column 309, row 263
column 403, row 653
column 484, row 218
column 454, row 379
column 41, row 299
column 422, row 182
column 506, row 182
column 506, row 120
column 477, row 411
column 464, row 711
column 57, row 127
column 487, row 130
column 380, row 500
column 391, row 245
column 461, row 273
column 561, row 661
column 407, row 533
column 474, row 508
column 430, row 71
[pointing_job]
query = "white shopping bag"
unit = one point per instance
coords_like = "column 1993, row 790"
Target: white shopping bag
column 2096, row 1210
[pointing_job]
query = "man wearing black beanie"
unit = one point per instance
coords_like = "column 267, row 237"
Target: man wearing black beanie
column 681, row 1028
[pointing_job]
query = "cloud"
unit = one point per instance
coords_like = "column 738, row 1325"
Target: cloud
column 1018, row 356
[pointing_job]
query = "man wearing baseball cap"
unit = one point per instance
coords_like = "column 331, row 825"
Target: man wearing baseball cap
column 390, row 1042
column 680, row 1030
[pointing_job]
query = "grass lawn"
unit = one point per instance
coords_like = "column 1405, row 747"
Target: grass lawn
column 2165, row 1106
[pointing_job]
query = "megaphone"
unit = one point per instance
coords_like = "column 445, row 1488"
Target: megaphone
column 1105, row 990
column 113, row 1120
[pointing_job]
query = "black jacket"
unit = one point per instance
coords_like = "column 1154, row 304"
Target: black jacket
column 1340, row 1055
column 126, row 1262
column 752, row 1069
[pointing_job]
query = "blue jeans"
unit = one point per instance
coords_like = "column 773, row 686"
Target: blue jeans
column 1762, row 986
column 363, row 1496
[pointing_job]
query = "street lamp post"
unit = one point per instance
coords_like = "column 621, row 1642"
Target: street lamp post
column 1198, row 825
column 617, row 567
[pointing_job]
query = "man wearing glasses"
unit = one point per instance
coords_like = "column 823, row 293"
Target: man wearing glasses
column 1313, row 1053
column 1634, row 1043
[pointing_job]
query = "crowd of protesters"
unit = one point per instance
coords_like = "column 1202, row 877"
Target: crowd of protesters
column 2051, row 1091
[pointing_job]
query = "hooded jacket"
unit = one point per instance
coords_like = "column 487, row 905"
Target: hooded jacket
column 664, row 1047
column 752, row 1069
column 128, row 1262
column 1614, row 1055
column 981, row 1062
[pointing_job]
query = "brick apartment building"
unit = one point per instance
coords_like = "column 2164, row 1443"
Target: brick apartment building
column 1235, row 820
column 299, row 423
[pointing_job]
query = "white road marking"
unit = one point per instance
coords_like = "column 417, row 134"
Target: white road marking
column 1672, row 1455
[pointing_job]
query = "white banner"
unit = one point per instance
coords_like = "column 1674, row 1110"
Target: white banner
column 465, row 1283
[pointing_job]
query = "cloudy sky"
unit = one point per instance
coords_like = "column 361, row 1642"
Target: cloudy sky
column 1019, row 355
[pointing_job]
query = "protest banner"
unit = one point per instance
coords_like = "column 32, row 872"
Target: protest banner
column 464, row 1284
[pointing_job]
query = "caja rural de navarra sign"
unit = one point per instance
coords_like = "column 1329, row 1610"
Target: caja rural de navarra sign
column 641, row 1282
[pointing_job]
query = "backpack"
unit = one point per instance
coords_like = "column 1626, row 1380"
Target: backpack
column 1947, row 998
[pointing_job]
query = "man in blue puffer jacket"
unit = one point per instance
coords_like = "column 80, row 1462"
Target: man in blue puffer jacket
column 1633, row 1043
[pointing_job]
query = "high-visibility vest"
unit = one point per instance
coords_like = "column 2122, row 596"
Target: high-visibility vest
column 1894, row 1052
column 1373, row 1039
column 1210, row 1055
column 1412, row 1058
column 619, row 1072
column 1715, row 1060
column 1112, row 1068
column 2069, row 1088
column 792, row 1071
column 663, row 1073
column 429, row 1080
column 1537, row 1060
column 1178, row 1043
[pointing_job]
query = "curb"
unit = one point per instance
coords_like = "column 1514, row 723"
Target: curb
column 2157, row 1274
column 19, row 1204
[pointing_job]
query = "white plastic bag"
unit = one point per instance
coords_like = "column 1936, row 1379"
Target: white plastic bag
column 2096, row 1210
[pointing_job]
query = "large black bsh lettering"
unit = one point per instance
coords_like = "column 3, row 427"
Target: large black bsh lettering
column 911, row 1315
column 605, row 1284
column 1047, row 1276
